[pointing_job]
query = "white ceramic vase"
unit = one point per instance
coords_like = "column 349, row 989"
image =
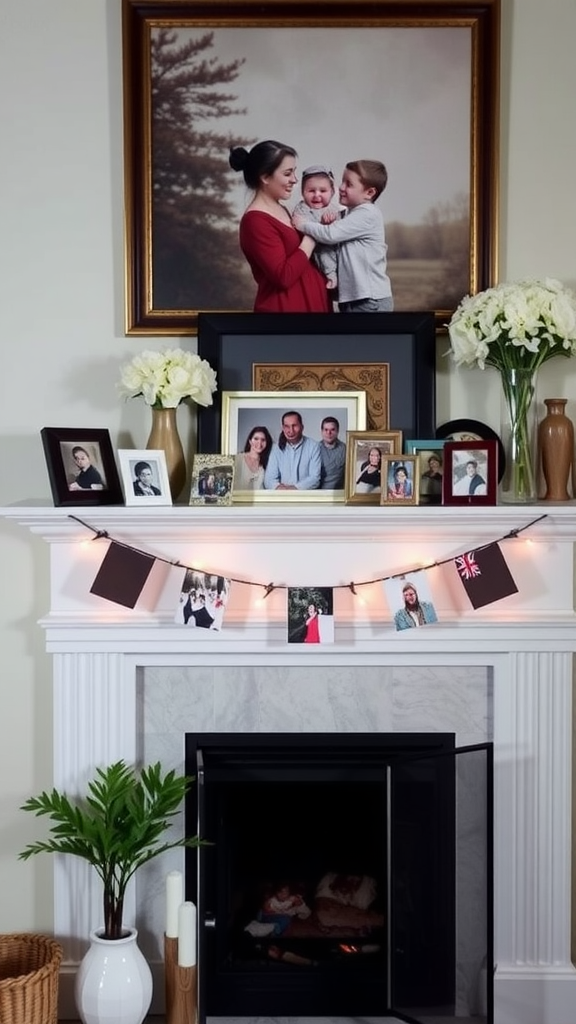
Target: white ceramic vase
column 114, row 981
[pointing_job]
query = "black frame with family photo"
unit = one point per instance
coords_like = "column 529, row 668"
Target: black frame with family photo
column 182, row 252
column 234, row 342
column 471, row 449
column 58, row 443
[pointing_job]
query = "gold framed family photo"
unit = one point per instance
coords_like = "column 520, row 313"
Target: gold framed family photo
column 289, row 446
column 182, row 201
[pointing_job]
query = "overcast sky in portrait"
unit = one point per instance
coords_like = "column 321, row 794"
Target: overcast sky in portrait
column 400, row 95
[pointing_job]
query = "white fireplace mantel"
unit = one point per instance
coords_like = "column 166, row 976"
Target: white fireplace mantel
column 526, row 641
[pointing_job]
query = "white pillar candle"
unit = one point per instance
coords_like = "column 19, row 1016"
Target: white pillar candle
column 173, row 901
column 186, row 935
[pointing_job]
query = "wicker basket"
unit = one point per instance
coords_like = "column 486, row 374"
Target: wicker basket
column 29, row 970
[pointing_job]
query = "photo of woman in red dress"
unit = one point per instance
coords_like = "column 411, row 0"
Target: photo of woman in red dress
column 278, row 254
column 312, row 626
column 310, row 615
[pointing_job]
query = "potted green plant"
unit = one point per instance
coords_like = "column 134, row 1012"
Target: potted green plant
column 120, row 825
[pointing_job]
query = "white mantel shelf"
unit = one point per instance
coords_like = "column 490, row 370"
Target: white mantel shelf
column 526, row 644
column 296, row 523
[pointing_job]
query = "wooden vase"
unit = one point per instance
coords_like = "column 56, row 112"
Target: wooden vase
column 164, row 436
column 556, row 443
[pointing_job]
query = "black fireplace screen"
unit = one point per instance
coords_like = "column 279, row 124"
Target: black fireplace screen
column 348, row 875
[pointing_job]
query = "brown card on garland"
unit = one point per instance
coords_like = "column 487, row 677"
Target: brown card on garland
column 122, row 575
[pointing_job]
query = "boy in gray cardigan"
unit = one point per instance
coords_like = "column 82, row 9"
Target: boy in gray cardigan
column 363, row 284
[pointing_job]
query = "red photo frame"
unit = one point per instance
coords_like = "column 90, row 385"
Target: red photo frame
column 470, row 472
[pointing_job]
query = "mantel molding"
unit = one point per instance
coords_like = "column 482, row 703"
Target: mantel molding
column 296, row 523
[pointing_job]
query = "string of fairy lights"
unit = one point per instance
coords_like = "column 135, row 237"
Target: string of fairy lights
column 352, row 586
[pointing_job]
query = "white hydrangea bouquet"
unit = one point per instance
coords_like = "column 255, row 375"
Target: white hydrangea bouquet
column 516, row 328
column 166, row 378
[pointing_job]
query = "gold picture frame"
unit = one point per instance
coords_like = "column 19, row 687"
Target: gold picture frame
column 242, row 411
column 182, row 201
column 400, row 480
column 363, row 473
column 212, row 480
column 373, row 378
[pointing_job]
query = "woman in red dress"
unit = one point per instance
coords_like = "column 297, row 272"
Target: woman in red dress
column 312, row 627
column 279, row 256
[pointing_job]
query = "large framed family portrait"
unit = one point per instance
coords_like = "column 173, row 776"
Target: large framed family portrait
column 421, row 95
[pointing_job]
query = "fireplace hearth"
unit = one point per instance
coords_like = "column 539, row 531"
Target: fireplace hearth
column 503, row 673
column 333, row 884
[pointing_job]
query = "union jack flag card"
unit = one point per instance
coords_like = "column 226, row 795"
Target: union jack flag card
column 485, row 575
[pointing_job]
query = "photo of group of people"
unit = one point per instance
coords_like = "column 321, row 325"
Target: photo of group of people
column 212, row 480
column 203, row 599
column 291, row 459
column 290, row 441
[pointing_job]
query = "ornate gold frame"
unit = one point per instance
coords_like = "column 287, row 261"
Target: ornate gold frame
column 193, row 263
column 373, row 378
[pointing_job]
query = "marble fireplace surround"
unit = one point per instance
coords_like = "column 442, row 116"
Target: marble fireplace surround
column 504, row 671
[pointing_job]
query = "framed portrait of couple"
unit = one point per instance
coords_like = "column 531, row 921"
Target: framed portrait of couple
column 289, row 446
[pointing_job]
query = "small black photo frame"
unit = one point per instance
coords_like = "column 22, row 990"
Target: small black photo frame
column 81, row 466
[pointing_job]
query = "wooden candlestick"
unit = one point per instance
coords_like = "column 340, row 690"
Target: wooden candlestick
column 181, row 992
column 185, row 996
column 170, row 965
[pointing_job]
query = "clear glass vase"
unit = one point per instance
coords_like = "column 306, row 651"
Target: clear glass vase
column 518, row 435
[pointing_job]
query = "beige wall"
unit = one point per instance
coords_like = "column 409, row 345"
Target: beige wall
column 61, row 308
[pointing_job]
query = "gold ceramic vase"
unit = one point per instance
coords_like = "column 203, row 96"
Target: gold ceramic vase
column 164, row 436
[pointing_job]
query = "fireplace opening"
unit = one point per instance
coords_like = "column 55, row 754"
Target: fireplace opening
column 331, row 883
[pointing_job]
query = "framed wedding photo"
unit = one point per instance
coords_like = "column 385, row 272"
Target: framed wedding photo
column 278, row 420
column 400, row 480
column 81, row 466
column 470, row 472
column 212, row 480
column 201, row 66
column 366, row 451
column 144, row 476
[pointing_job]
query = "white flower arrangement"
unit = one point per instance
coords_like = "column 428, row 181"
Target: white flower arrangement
column 514, row 326
column 164, row 379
